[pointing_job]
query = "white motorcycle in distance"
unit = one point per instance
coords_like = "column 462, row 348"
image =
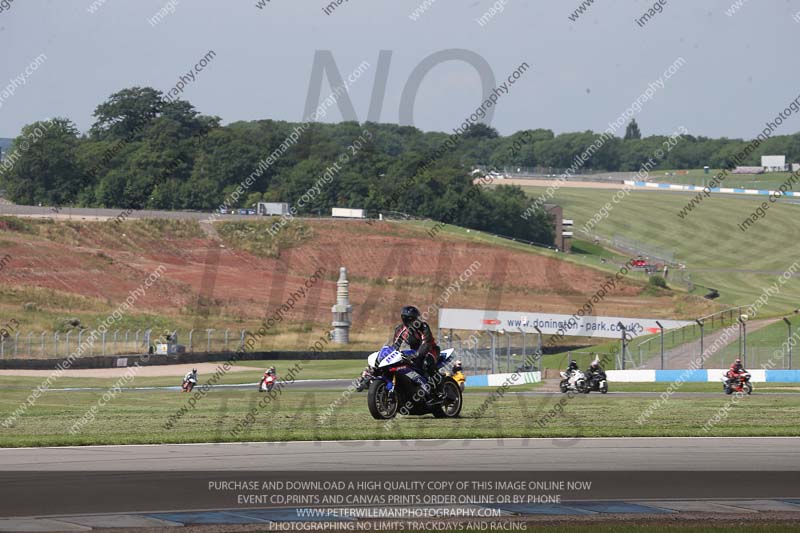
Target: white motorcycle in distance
column 188, row 384
column 575, row 382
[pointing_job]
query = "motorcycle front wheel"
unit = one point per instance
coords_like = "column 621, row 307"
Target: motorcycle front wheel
column 747, row 388
column 382, row 404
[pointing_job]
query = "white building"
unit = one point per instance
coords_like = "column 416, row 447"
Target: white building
column 773, row 163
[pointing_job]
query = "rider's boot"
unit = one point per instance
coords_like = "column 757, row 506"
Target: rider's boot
column 432, row 397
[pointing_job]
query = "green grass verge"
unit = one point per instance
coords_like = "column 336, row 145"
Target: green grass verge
column 718, row 254
column 323, row 369
column 768, row 180
column 139, row 417
column 789, row 388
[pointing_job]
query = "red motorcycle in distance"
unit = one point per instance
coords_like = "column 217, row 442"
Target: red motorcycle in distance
column 738, row 383
column 267, row 382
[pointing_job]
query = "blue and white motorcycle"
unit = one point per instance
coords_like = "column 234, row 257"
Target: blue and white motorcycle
column 392, row 389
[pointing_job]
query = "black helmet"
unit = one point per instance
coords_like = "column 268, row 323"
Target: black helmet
column 409, row 315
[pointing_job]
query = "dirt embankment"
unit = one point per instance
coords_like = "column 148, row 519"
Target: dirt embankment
column 389, row 265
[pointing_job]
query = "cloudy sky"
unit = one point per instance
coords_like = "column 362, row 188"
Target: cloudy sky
column 737, row 72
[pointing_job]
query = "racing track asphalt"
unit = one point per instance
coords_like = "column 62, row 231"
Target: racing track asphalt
column 342, row 384
column 139, row 478
column 613, row 454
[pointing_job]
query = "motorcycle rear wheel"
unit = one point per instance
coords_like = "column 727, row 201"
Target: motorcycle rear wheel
column 382, row 405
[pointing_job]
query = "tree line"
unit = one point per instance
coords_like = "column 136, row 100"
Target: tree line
column 143, row 151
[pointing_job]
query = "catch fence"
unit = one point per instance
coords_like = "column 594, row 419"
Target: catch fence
column 56, row 344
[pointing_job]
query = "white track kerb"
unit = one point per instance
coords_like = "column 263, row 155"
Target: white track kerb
column 88, row 342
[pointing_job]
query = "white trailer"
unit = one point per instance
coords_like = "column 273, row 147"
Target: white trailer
column 272, row 208
column 773, row 163
column 344, row 212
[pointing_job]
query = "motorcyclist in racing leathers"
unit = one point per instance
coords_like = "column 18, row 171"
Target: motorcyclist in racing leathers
column 735, row 371
column 190, row 375
column 418, row 336
column 572, row 368
column 595, row 373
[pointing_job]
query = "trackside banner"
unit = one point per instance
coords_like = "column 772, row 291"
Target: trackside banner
column 586, row 326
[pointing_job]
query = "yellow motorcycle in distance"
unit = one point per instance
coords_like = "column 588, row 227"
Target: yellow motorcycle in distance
column 458, row 375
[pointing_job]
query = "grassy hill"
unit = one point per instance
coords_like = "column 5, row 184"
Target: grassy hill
column 708, row 241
